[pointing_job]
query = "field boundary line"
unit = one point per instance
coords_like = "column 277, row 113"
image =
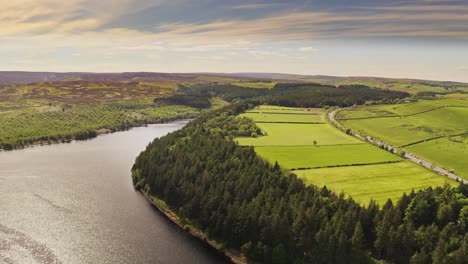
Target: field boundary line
column 348, row 165
column 284, row 122
column 422, row 112
column 362, row 118
column 285, row 146
column 281, row 113
column 396, row 115
column 292, row 123
column 430, row 139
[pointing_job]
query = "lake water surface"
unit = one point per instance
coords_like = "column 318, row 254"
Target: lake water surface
column 75, row 203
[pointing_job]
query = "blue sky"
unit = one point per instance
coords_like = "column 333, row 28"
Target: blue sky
column 412, row 39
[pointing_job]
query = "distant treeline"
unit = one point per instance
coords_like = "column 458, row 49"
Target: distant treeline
column 240, row 200
column 289, row 94
column 82, row 122
column 227, row 92
column 305, row 95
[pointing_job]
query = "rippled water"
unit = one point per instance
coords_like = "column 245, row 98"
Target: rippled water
column 75, row 203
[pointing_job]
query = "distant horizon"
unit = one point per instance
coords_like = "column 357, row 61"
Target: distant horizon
column 237, row 74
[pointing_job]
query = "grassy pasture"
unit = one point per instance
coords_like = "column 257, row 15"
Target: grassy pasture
column 405, row 130
column 283, row 109
column 285, row 117
column 298, row 135
column 379, row 182
column 326, row 156
column 400, row 109
column 456, row 95
column 260, row 85
column 414, row 108
column 450, row 153
column 362, row 112
column 416, row 124
column 404, row 85
column 337, row 160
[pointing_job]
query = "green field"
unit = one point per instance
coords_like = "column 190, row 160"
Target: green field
column 285, row 117
column 278, row 134
column 404, row 85
column 401, row 131
column 260, row 85
column 450, row 153
column 399, row 110
column 428, row 129
column 287, row 110
column 378, row 182
column 326, row 156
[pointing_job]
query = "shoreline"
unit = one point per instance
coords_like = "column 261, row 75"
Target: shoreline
column 231, row 255
column 99, row 132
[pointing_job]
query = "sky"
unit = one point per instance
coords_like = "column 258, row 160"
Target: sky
column 424, row 39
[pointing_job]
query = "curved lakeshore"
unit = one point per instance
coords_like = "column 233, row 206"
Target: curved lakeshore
column 232, row 255
column 75, row 203
column 96, row 133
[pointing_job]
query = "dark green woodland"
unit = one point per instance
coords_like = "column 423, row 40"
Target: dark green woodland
column 243, row 202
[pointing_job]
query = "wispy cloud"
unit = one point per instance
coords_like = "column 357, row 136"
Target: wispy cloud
column 46, row 16
column 79, row 16
column 263, row 35
column 315, row 25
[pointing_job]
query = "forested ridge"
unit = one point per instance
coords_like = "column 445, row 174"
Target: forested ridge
column 295, row 94
column 242, row 201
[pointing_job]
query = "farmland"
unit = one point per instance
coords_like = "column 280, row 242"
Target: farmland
column 286, row 110
column 448, row 152
column 413, row 127
column 289, row 134
column 404, row 85
column 281, row 117
column 260, row 85
column 381, row 181
column 324, row 156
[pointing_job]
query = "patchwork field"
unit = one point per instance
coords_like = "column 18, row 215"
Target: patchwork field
column 279, row 134
column 285, row 110
column 450, row 153
column 381, row 181
column 404, row 85
column 260, row 85
column 281, row 117
column 399, row 110
column 406, row 130
column 434, row 130
column 326, row 156
column 323, row 155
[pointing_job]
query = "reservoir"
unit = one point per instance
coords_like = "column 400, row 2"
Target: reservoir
column 75, row 203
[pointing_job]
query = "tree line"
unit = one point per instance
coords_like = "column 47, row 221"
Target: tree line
column 293, row 94
column 247, row 204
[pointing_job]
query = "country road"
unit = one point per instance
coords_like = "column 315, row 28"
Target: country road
column 408, row 156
